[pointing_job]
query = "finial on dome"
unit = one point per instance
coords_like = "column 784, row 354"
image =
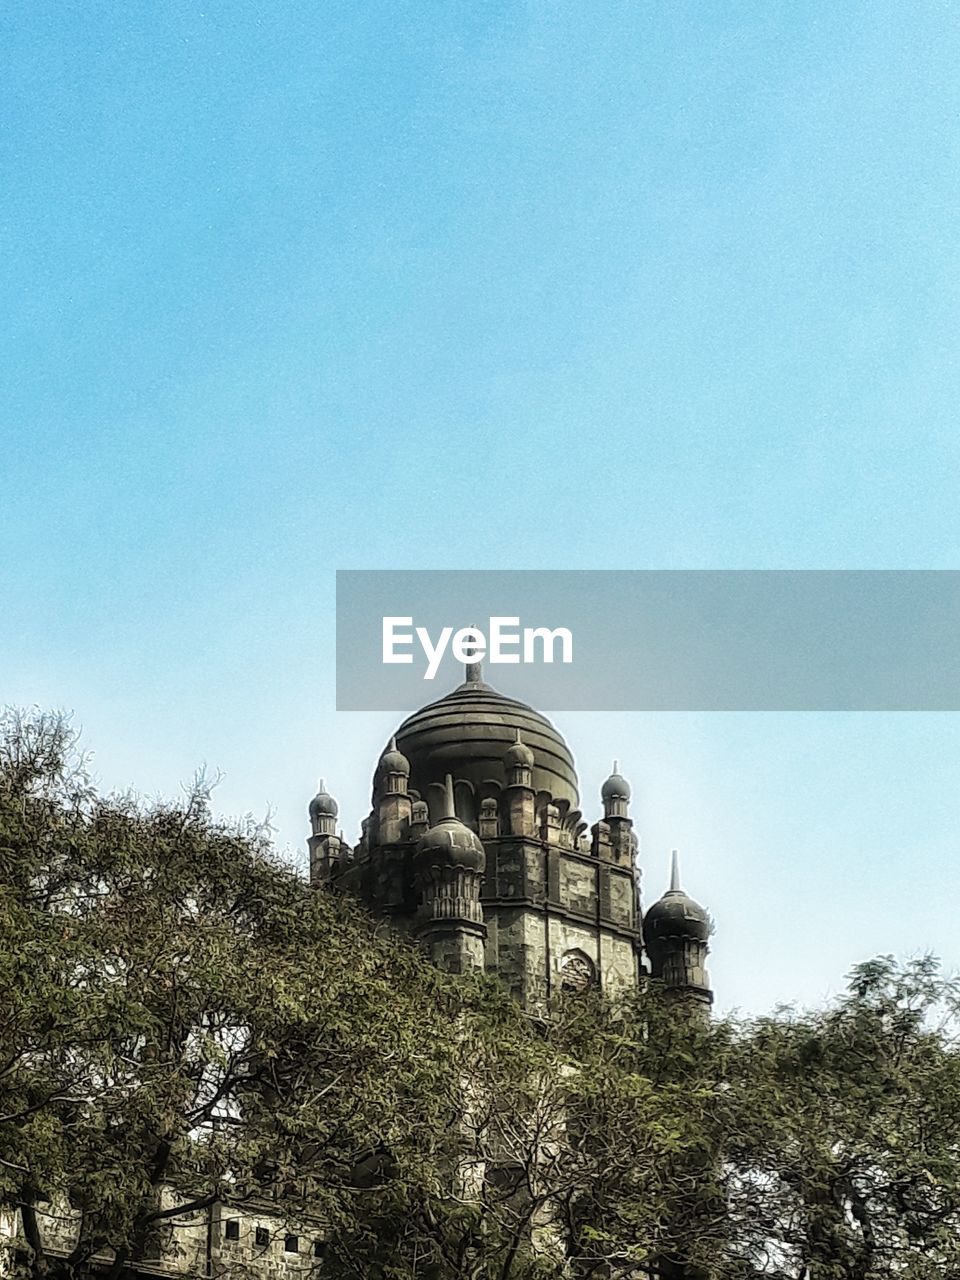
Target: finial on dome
column 450, row 841
column 474, row 670
column 615, row 787
column 448, row 809
column 323, row 804
column 674, row 871
column 518, row 755
column 393, row 761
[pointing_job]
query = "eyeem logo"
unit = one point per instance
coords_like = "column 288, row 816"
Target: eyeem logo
column 507, row 643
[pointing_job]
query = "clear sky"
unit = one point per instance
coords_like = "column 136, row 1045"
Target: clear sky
column 288, row 288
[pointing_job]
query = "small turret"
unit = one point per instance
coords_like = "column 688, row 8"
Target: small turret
column 323, row 812
column 392, row 803
column 327, row 849
column 449, row 862
column 394, row 768
column 676, row 931
column 615, row 794
column 518, row 761
column 622, row 846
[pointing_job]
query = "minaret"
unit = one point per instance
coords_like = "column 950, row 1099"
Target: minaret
column 324, row 843
column 519, row 796
column 615, row 794
column 392, row 804
column 449, row 862
column 675, row 931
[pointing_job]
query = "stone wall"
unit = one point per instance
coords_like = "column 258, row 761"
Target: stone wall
column 220, row 1241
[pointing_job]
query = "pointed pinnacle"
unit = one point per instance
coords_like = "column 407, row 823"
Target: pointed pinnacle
column 474, row 669
column 674, row 871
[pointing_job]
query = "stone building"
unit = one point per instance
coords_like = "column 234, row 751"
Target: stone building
column 476, row 844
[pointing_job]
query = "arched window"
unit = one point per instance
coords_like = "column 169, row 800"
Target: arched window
column 577, row 972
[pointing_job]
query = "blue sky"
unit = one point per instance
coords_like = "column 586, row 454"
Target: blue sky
column 289, row 288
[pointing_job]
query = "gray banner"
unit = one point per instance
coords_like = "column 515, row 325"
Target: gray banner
column 657, row 640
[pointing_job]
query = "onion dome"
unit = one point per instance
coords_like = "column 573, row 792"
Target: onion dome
column 394, row 761
column 676, row 915
column 615, row 787
column 450, row 842
column 323, row 804
column 467, row 734
column 518, row 755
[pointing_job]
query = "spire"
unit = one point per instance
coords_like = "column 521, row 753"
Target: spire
column 448, row 809
column 616, row 766
column 393, row 742
column 323, row 802
column 674, row 871
column 474, row 670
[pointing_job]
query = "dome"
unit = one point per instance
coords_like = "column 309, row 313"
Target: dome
column 467, row 734
column 519, row 755
column 450, row 842
column 676, row 915
column 323, row 804
column 394, row 761
column 615, row 787
column 454, row 844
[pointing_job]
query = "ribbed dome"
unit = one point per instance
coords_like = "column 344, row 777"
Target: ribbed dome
column 393, row 761
column 467, row 734
column 450, row 842
column 453, row 844
column 676, row 915
column 519, row 756
column 323, row 803
column 616, row 787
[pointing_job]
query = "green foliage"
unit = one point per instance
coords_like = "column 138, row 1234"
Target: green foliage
column 185, row 1022
column 842, row 1128
column 183, row 1012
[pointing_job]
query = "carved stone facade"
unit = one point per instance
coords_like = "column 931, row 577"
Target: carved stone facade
column 475, row 842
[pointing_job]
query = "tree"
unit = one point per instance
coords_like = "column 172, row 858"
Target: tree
column 622, row 1138
column 185, row 1014
column 580, row 1149
column 841, row 1129
column 185, row 1022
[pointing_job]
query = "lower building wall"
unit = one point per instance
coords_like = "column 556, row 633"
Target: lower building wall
column 220, row 1241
